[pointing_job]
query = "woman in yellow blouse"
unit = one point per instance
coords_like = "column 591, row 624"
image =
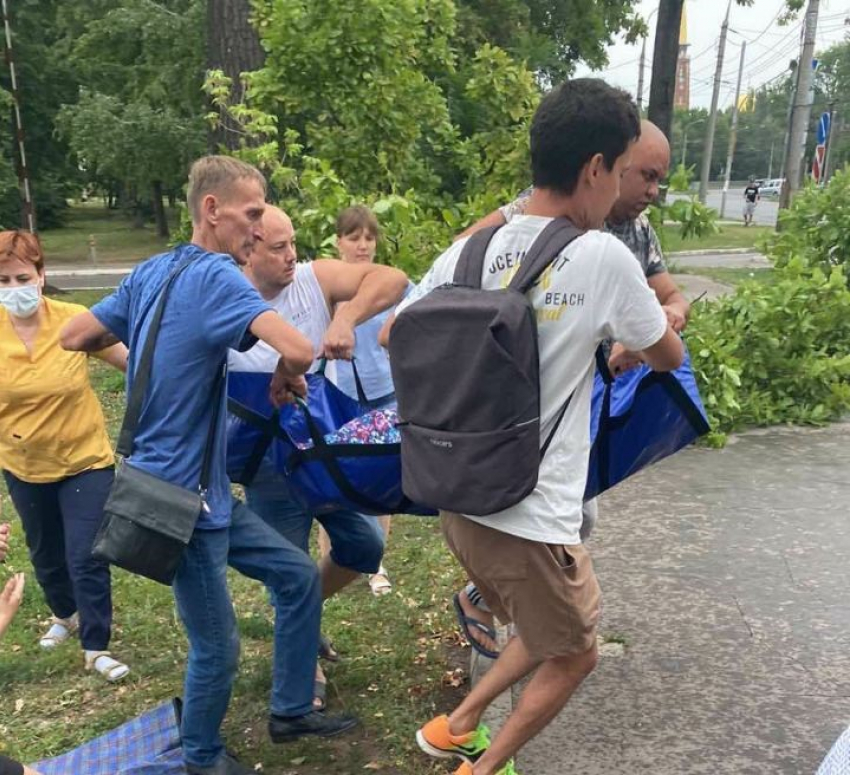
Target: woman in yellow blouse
column 54, row 451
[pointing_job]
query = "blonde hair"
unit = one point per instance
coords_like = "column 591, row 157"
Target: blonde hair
column 214, row 175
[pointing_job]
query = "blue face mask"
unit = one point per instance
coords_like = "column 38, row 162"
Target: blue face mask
column 21, row 301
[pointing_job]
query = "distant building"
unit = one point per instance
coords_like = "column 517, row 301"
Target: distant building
column 683, row 66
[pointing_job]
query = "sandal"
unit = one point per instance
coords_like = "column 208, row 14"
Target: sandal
column 320, row 692
column 468, row 623
column 111, row 669
column 60, row 630
column 327, row 650
column 380, row 583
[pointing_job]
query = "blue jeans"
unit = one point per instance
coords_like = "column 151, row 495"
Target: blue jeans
column 357, row 541
column 60, row 521
column 200, row 588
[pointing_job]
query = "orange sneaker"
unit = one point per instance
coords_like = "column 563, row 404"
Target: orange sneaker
column 436, row 740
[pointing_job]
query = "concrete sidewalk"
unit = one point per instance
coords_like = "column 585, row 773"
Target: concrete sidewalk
column 728, row 575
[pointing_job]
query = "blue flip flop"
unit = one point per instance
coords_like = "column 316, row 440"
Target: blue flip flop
column 467, row 624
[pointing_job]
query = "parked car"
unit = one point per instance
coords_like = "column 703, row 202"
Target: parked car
column 772, row 187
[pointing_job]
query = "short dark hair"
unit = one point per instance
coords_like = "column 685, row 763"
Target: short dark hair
column 574, row 122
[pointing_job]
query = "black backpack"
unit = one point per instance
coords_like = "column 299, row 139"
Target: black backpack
column 467, row 377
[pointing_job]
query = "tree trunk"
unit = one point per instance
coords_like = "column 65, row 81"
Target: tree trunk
column 662, row 90
column 159, row 215
column 233, row 46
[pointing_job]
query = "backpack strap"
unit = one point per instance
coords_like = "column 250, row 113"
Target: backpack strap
column 470, row 265
column 546, row 248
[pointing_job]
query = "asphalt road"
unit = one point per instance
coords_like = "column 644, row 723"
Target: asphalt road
column 766, row 209
column 725, row 574
column 71, row 279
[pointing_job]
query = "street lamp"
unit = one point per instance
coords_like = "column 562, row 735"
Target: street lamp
column 685, row 137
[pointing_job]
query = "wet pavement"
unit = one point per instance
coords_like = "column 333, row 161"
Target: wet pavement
column 727, row 574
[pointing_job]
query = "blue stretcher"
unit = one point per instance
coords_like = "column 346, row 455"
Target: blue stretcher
column 636, row 420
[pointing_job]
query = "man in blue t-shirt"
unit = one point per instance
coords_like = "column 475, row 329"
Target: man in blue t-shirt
column 212, row 308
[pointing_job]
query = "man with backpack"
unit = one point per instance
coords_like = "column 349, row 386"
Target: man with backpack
column 468, row 441
column 650, row 162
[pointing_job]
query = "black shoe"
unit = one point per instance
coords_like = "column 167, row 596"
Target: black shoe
column 226, row 765
column 282, row 729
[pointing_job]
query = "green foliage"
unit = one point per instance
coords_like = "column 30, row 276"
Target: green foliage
column 414, row 229
column 10, row 200
column 816, row 228
column 551, row 36
column 384, row 134
column 680, row 179
column 45, row 82
column 775, row 353
column 505, row 97
column 131, row 141
column 353, row 80
column 138, row 119
column 787, row 342
column 385, row 94
column 697, row 221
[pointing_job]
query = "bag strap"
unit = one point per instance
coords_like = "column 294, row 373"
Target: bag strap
column 470, row 265
column 209, row 447
column 554, row 430
column 358, row 384
column 602, row 367
column 546, row 248
column 143, row 371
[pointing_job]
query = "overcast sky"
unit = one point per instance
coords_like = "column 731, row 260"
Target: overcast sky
column 770, row 46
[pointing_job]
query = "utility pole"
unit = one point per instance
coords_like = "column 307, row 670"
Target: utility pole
column 640, row 75
column 662, row 87
column 712, row 118
column 801, row 109
column 23, row 169
column 787, row 135
column 733, row 133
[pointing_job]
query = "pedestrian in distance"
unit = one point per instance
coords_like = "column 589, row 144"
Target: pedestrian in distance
column 751, row 199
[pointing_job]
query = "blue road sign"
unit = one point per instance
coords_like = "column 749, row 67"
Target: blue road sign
column 823, row 128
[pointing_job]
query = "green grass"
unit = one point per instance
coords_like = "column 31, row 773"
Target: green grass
column 116, row 239
column 402, row 660
column 726, row 237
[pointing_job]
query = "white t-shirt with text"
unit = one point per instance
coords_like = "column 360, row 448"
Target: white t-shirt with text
column 594, row 290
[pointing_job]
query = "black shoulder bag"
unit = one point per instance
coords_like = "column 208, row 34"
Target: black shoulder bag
column 147, row 521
